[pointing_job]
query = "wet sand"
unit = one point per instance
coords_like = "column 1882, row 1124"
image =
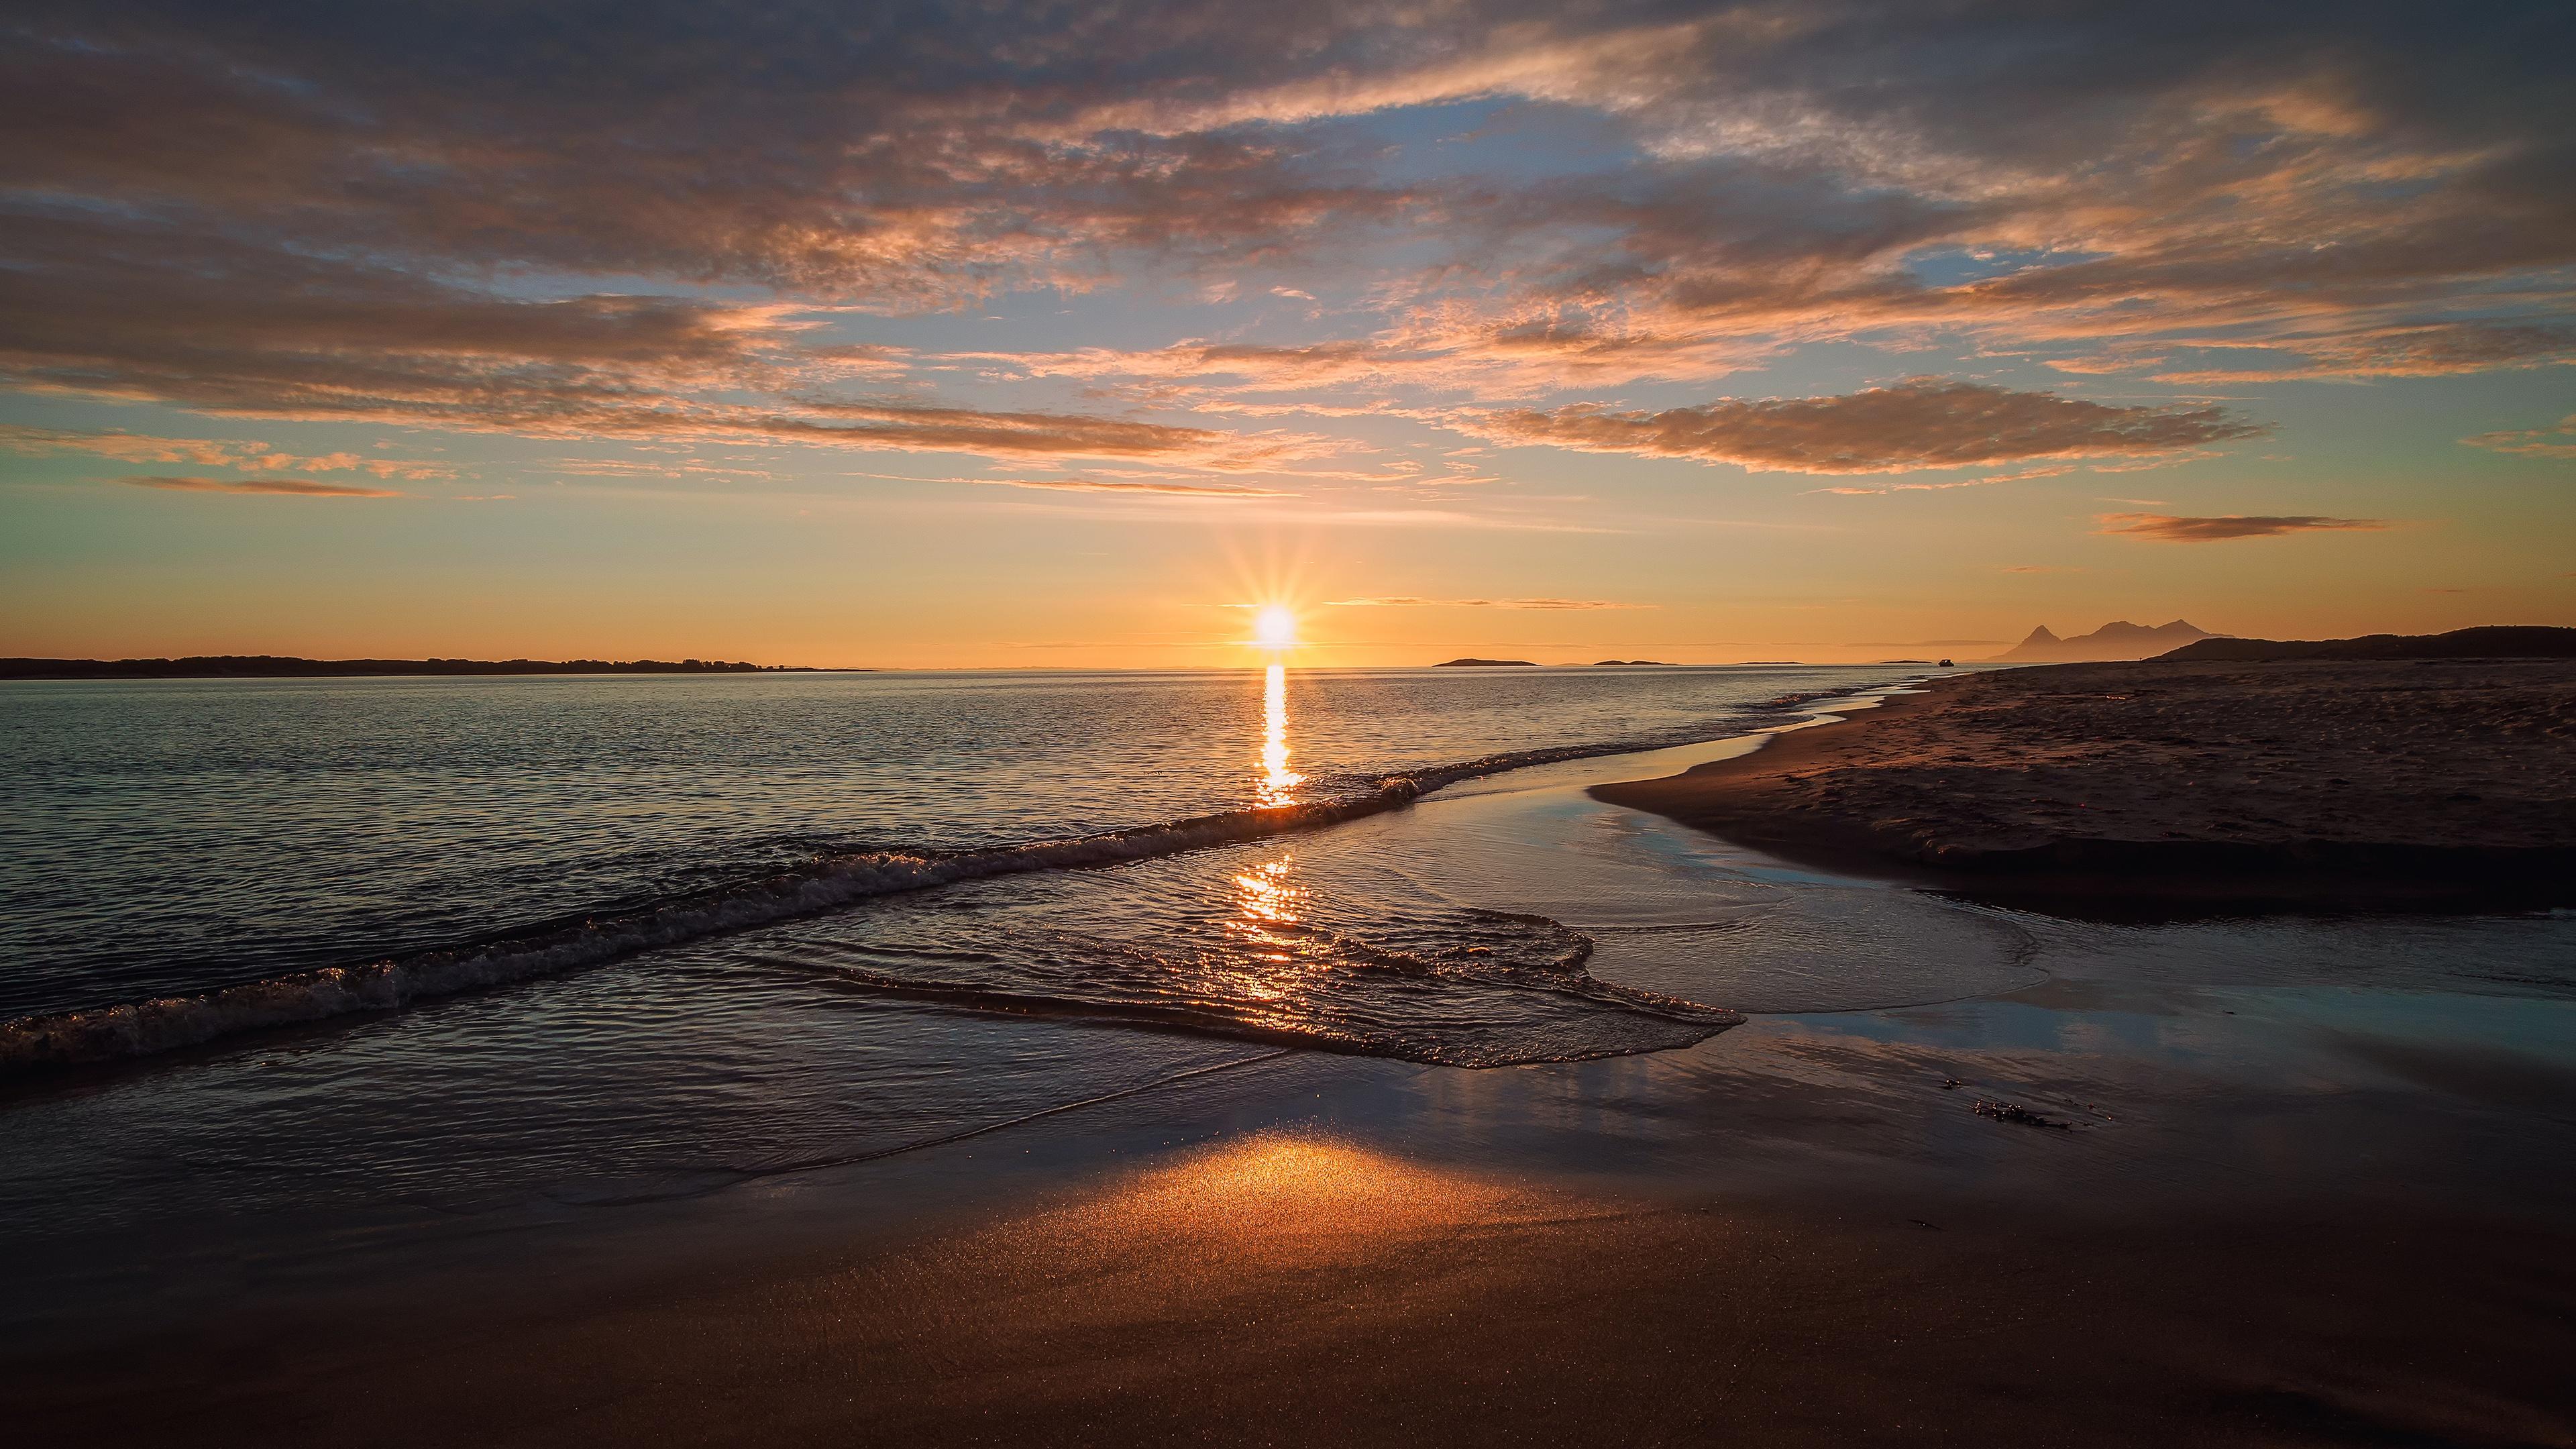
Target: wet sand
column 1289, row 1290
column 2168, row 787
column 2282, row 1223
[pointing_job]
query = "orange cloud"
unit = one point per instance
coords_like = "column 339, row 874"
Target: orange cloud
column 206, row 452
column 2557, row 442
column 1098, row 485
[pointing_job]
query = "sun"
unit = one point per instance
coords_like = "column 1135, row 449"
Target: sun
column 1275, row 627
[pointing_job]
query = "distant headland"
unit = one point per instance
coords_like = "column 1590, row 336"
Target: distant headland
column 1629, row 663
column 279, row 666
column 1485, row 664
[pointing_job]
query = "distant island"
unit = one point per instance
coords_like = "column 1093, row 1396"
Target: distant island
column 1606, row 663
column 279, row 666
column 1484, row 664
column 2112, row 642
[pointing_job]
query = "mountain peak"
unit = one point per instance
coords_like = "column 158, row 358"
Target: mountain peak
column 2119, row 639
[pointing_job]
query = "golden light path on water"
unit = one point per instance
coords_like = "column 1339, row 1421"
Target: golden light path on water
column 1278, row 784
column 1265, row 898
column 1265, row 928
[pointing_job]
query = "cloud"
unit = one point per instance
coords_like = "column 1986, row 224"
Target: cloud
column 882, row 162
column 664, row 228
column 2021, row 476
column 1406, row 601
column 659, row 468
column 2442, row 350
column 283, row 487
column 1016, row 434
column 2170, row 528
column 1097, row 485
column 221, row 328
column 2557, row 442
column 206, row 452
column 1921, row 423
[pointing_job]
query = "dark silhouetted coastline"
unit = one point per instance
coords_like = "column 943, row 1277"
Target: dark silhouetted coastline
column 284, row 666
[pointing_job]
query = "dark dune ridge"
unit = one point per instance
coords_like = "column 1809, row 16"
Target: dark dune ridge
column 281, row 666
column 2183, row 785
column 2496, row 641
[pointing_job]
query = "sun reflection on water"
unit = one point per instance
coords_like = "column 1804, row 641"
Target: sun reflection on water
column 1278, row 784
column 1268, row 958
column 1269, row 946
column 1265, row 895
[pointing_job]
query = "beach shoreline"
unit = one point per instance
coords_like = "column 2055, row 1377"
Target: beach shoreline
column 2164, row 788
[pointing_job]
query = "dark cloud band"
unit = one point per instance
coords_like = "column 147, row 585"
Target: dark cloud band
column 2170, row 528
column 275, row 487
column 1923, row 423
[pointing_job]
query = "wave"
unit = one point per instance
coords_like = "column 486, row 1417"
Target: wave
column 1363, row 975
column 831, row 882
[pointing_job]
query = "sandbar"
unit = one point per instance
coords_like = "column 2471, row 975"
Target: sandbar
column 2166, row 787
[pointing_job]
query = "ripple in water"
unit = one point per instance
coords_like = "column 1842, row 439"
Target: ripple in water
column 1236, row 944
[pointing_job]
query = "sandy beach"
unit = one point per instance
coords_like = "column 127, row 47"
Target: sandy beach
column 2168, row 786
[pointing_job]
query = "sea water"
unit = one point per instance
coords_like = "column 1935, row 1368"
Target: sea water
column 185, row 859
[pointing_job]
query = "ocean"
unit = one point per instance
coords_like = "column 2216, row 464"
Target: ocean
column 192, row 858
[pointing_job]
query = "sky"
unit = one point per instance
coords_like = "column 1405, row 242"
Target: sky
column 1070, row 335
